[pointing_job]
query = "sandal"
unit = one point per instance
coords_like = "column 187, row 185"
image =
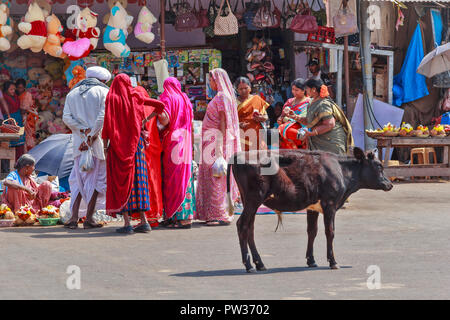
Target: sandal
column 89, row 225
column 214, row 223
column 178, row 225
column 71, row 225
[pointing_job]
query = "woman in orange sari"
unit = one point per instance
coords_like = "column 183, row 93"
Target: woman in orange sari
column 252, row 114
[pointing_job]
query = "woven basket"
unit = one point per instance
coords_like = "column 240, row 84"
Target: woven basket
column 390, row 134
column 374, row 135
column 9, row 126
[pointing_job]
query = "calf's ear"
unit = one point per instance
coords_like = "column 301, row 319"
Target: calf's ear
column 359, row 154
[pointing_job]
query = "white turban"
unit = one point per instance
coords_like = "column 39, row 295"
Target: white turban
column 98, row 73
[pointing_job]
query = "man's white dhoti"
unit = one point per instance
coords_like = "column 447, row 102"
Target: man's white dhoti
column 85, row 183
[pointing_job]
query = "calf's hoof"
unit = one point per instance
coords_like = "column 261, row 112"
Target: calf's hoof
column 251, row 270
column 261, row 268
column 311, row 263
column 334, row 266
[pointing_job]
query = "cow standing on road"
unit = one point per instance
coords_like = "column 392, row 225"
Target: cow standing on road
column 314, row 180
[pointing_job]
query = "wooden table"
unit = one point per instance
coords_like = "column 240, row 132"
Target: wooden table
column 418, row 170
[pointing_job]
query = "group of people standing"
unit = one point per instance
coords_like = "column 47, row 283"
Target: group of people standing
column 143, row 152
column 142, row 148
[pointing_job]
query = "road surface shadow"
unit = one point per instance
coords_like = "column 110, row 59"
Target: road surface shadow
column 240, row 272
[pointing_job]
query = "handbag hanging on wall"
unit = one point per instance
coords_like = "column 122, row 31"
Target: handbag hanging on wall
column 304, row 22
column 225, row 25
column 345, row 22
column 250, row 12
column 289, row 11
column 169, row 16
column 277, row 15
column 186, row 20
column 211, row 14
column 264, row 18
column 202, row 15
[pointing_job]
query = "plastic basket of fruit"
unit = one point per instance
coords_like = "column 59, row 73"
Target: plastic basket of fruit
column 48, row 221
column 7, row 222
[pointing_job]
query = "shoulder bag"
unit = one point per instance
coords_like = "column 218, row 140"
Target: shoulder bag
column 227, row 25
column 345, row 22
column 264, row 18
column 304, row 22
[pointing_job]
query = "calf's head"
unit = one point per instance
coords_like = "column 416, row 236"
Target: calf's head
column 371, row 174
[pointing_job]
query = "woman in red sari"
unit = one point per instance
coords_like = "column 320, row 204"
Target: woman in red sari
column 153, row 155
column 13, row 103
column 127, row 190
column 289, row 128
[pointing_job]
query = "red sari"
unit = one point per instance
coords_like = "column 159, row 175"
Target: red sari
column 288, row 130
column 153, row 156
column 124, row 113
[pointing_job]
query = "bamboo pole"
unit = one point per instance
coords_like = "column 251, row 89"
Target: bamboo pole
column 162, row 27
column 346, row 67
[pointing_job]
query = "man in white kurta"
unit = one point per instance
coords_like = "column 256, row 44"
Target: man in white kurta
column 84, row 112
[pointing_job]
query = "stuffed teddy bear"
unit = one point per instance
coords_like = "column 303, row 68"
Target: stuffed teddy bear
column 89, row 28
column 33, row 76
column 111, row 4
column 5, row 30
column 77, row 45
column 34, row 29
column 34, row 61
column 54, row 39
column 79, row 74
column 30, row 119
column 13, row 36
column 116, row 31
column 54, row 68
column 20, row 70
column 143, row 27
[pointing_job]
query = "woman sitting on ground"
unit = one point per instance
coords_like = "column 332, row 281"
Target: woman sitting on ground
column 21, row 189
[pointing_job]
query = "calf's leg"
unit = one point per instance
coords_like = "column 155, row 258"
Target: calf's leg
column 243, row 228
column 251, row 242
column 311, row 217
column 328, row 219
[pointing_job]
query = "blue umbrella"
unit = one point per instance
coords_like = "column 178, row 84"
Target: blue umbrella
column 54, row 155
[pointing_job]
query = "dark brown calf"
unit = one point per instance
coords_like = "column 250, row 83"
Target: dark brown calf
column 312, row 180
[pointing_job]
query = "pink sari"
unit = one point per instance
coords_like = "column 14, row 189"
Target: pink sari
column 212, row 192
column 177, row 146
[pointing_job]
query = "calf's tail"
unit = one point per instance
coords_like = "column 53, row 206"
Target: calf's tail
column 230, row 200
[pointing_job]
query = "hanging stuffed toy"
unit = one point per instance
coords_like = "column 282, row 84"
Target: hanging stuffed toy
column 31, row 117
column 116, row 31
column 34, row 28
column 76, row 46
column 5, row 30
column 143, row 27
column 54, row 39
column 88, row 28
column 79, row 74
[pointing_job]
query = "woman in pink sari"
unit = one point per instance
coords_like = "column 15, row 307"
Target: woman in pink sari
column 178, row 184
column 221, row 120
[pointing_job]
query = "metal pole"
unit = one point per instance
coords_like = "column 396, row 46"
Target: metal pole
column 347, row 75
column 366, row 62
column 162, row 29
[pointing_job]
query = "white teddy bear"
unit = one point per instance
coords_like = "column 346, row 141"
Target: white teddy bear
column 5, row 30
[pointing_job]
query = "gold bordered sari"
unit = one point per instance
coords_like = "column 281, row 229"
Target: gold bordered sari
column 337, row 140
column 251, row 140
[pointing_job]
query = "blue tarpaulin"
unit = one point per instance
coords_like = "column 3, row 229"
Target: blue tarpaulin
column 408, row 84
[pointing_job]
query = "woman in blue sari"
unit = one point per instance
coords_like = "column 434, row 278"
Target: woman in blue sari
column 13, row 103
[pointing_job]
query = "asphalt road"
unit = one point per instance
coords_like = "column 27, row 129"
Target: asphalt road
column 404, row 234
